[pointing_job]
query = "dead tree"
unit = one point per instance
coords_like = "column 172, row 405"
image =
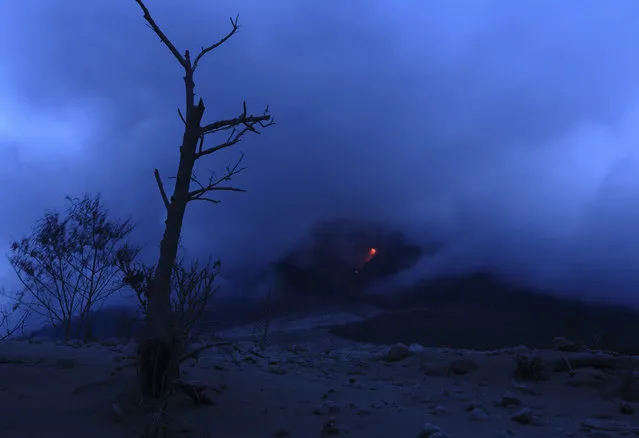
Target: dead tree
column 159, row 350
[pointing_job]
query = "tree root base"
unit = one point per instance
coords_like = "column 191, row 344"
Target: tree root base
column 158, row 366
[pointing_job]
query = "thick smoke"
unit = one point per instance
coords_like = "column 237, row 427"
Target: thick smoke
column 342, row 258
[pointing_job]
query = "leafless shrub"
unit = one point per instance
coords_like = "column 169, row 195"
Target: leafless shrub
column 12, row 318
column 68, row 266
column 532, row 368
column 261, row 334
column 192, row 287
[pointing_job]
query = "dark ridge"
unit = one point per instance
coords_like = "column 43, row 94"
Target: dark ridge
column 479, row 312
column 475, row 311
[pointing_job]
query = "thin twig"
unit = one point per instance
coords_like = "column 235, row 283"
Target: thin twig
column 204, row 198
column 206, row 50
column 213, row 184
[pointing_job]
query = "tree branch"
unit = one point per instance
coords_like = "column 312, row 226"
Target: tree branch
column 204, row 198
column 243, row 118
column 195, row 194
column 147, row 16
column 248, row 123
column 213, row 183
column 165, row 199
column 206, row 50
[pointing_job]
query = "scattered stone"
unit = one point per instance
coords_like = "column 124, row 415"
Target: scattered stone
column 282, row 433
column 439, row 410
column 478, row 414
column 196, row 391
column 277, row 369
column 514, row 351
column 398, row 352
column 591, row 378
column 464, row 397
column 523, row 416
column 75, row 343
column 110, row 342
column 327, row 407
column 441, row 363
column 129, row 349
column 601, row 416
column 13, row 360
column 435, row 370
column 249, row 359
column 628, row 387
column 64, row 364
column 562, row 344
column 608, row 425
column 330, row 427
column 117, row 413
column 298, row 348
column 377, row 405
column 429, row 430
column 509, row 399
column 416, row 348
column 472, row 406
column 626, row 408
column 463, row 366
column 505, row 433
column 522, row 388
column 529, row 367
column 601, row 361
column 118, row 359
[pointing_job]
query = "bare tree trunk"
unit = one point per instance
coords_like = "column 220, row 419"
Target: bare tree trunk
column 67, row 329
column 159, row 351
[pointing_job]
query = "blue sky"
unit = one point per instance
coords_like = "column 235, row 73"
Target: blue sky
column 506, row 130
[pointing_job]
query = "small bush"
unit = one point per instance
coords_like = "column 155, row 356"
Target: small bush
column 192, row 289
column 532, row 368
column 12, row 320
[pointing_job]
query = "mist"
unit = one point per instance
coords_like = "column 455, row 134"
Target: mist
column 506, row 134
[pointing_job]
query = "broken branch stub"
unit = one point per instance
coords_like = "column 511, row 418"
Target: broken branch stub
column 165, row 199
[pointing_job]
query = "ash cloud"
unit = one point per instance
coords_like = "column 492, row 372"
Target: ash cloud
column 506, row 134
